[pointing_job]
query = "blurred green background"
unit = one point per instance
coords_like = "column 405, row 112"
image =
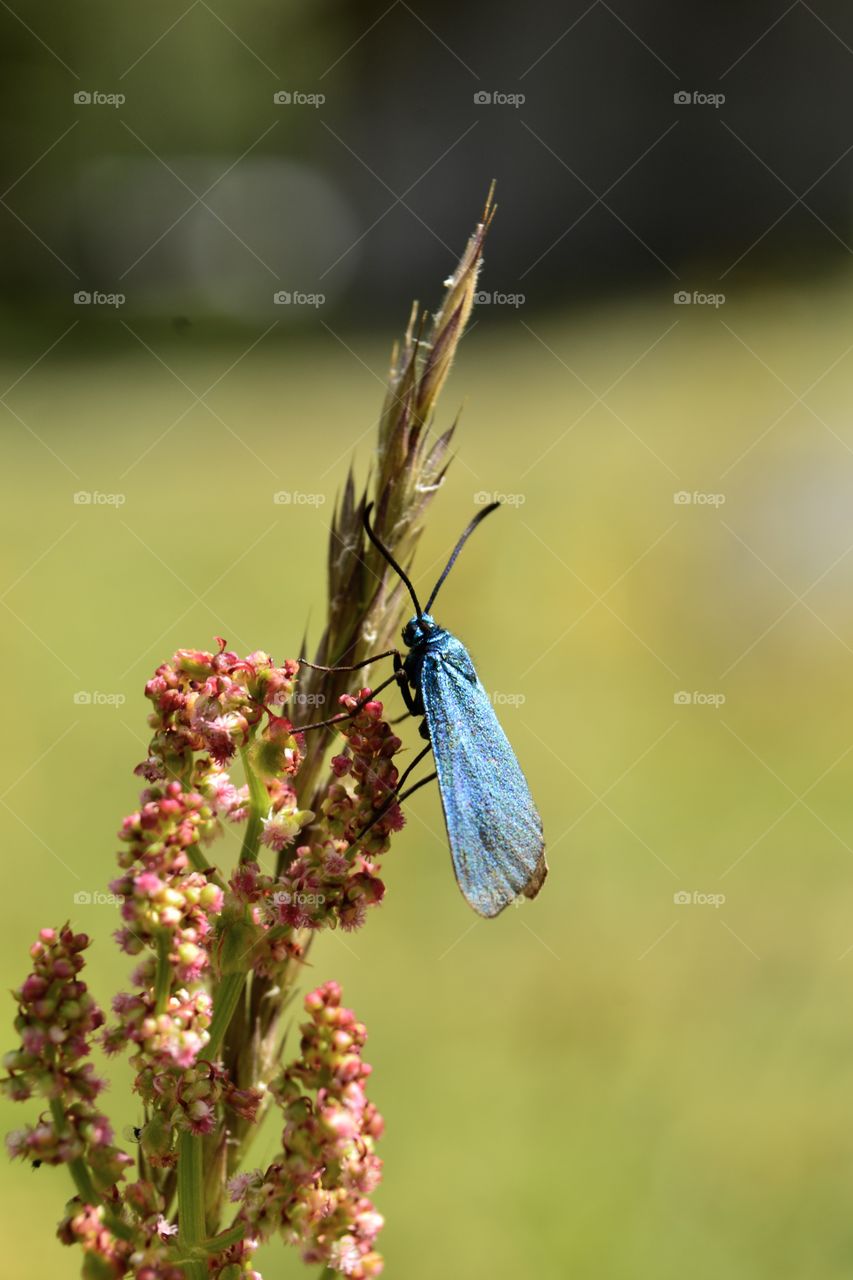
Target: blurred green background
column 647, row 1071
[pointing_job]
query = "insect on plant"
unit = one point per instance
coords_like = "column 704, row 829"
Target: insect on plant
column 493, row 827
column 222, row 952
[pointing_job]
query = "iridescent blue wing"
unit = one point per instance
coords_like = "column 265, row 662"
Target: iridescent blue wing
column 493, row 827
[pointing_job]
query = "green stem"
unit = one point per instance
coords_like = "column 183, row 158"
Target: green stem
column 191, row 1232
column 259, row 803
column 78, row 1168
column 225, row 1238
column 163, row 980
column 230, row 988
column 225, row 1000
column 192, row 1268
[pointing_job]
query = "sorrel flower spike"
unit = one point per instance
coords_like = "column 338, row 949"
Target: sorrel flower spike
column 365, row 599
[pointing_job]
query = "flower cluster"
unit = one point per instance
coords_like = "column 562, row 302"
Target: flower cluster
column 57, row 1018
column 165, row 832
column 334, row 879
column 112, row 1247
column 368, row 760
column 197, row 934
column 206, row 706
column 316, row 1193
column 210, row 701
column 168, row 911
column 173, row 1038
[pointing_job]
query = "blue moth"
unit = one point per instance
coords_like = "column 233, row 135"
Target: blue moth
column 493, row 826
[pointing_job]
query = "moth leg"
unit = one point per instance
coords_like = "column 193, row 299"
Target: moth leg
column 353, row 711
column 394, row 795
column 404, row 775
column 376, row 657
column 413, row 708
column 411, row 700
column 416, row 786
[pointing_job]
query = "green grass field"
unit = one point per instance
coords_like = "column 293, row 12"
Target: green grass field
column 605, row 1083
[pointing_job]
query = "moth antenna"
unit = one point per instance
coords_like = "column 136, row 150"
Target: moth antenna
column 481, row 515
column 383, row 550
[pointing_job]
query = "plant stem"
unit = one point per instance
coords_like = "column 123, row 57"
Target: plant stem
column 259, row 803
column 225, row 1002
column 227, row 995
column 225, row 1238
column 78, row 1168
column 163, row 980
column 193, row 1268
column 191, row 1233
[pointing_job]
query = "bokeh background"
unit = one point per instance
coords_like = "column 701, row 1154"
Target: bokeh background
column 648, row 1070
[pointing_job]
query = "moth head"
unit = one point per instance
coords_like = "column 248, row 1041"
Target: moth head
column 418, row 629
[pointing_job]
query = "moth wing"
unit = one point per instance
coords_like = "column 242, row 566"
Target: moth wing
column 493, row 827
